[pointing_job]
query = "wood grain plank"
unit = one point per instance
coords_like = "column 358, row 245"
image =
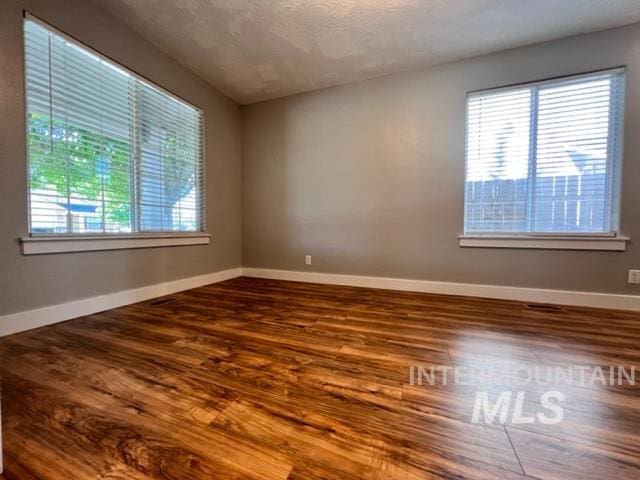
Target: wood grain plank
column 273, row 380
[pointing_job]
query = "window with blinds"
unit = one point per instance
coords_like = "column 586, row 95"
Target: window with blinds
column 545, row 157
column 108, row 152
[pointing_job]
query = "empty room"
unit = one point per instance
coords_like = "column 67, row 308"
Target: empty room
column 320, row 239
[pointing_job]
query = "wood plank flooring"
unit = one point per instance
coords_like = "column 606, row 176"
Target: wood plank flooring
column 273, row 380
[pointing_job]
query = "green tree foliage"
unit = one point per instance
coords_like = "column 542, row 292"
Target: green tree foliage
column 93, row 165
column 89, row 164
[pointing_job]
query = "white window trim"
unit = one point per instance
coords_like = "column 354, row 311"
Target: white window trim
column 563, row 241
column 140, row 238
column 86, row 243
column 617, row 243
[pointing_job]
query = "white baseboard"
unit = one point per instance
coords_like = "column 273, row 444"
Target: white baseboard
column 538, row 295
column 29, row 319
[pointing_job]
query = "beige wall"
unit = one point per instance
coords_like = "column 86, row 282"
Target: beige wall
column 34, row 281
column 368, row 178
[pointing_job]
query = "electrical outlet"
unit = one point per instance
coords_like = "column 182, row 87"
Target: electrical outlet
column 307, row 260
column 634, row 276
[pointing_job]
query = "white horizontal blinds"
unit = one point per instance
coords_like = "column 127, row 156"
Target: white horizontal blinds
column 108, row 153
column 170, row 173
column 545, row 158
column 497, row 184
column 579, row 122
column 78, row 116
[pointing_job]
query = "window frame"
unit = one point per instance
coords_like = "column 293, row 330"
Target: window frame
column 612, row 240
column 58, row 242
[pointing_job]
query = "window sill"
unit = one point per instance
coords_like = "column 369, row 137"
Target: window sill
column 615, row 244
column 86, row 243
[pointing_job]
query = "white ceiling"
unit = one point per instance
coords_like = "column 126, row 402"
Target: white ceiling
column 253, row 50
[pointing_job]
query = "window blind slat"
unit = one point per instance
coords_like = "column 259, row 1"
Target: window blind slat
column 108, row 152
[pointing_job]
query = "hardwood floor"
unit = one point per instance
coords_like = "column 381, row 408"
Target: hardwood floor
column 265, row 379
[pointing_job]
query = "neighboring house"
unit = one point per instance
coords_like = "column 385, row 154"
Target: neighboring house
column 51, row 213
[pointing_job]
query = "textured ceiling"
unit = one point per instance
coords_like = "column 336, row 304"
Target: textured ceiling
column 253, row 50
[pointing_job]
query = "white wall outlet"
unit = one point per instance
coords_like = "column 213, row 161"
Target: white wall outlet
column 307, row 260
column 634, row 277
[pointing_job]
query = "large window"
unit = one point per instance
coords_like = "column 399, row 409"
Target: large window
column 108, row 152
column 544, row 158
